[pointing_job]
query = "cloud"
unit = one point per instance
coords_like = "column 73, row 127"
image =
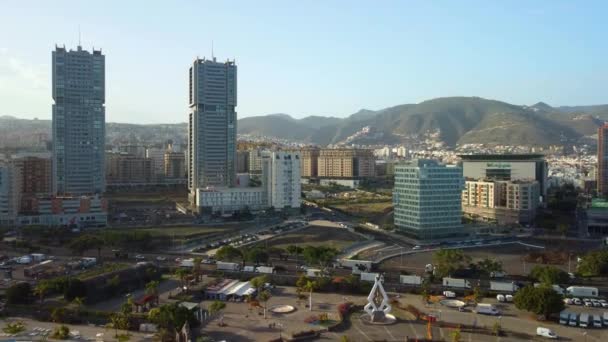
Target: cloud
column 15, row 71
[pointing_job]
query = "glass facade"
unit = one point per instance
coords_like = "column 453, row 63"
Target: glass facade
column 427, row 199
column 78, row 121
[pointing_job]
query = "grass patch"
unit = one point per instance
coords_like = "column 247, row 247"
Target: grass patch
column 315, row 236
column 366, row 209
column 105, row 268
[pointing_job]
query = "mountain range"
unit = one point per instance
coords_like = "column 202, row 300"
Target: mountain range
column 458, row 120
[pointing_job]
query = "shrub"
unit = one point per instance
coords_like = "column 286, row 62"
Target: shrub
column 61, row 332
column 14, row 328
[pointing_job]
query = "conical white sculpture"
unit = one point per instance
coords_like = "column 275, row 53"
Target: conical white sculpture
column 377, row 302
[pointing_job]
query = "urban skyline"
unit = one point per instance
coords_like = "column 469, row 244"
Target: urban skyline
column 557, row 67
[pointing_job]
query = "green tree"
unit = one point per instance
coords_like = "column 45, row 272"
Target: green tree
column 447, row 261
column 229, row 253
column 320, row 256
column 78, row 302
column 61, row 332
column 256, row 255
column 182, row 273
column 42, row 289
column 58, row 315
column 549, row 275
column 309, row 287
column 171, row 317
column 496, row 328
column 86, row 242
column 542, row 300
column 593, row 264
column 425, row 291
column 14, row 328
column 294, row 250
column 152, row 289
column 264, row 296
column 258, row 282
column 488, row 266
column 477, row 294
column 196, row 269
column 216, row 308
column 118, row 321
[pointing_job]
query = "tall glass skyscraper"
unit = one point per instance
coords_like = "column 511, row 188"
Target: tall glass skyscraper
column 427, row 199
column 211, row 125
column 78, row 121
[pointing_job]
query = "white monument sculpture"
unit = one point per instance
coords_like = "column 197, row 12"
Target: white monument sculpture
column 377, row 302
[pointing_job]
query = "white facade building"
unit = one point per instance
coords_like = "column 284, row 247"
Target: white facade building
column 281, row 179
column 229, row 200
column 280, row 188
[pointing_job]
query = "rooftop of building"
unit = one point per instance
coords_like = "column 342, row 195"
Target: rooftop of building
column 501, row 157
column 599, row 203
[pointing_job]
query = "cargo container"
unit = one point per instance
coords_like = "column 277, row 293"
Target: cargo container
column 457, row 283
column 582, row 291
column 227, row 266
column 410, row 279
column 501, row 286
column 265, row 269
column 365, row 276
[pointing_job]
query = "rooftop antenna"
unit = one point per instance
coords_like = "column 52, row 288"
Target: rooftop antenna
column 79, row 40
column 212, row 55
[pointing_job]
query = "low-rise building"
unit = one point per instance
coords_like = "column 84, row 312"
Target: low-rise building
column 229, row 200
column 503, row 202
column 123, row 168
column 69, row 211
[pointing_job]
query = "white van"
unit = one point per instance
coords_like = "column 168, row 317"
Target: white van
column 564, row 316
column 597, row 321
column 605, row 318
column 546, row 332
column 583, row 320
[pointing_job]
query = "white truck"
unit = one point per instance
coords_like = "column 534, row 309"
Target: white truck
column 486, row 309
column 410, row 279
column 249, row 269
column 502, row 286
column 227, row 266
column 582, row 291
column 265, row 269
column 187, row 263
column 313, row 272
column 366, row 276
column 555, row 288
column 456, row 283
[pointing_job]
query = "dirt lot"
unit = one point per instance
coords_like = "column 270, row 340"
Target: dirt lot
column 512, row 257
column 316, row 236
column 366, row 209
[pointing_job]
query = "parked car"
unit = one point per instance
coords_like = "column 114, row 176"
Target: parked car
column 604, row 303
column 140, row 257
column 568, row 301
column 546, row 332
column 576, row 301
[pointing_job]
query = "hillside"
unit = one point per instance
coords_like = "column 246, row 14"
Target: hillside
column 458, row 119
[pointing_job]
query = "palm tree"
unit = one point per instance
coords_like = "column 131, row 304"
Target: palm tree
column 310, row 286
column 216, row 307
column 41, row 289
column 264, row 296
column 78, row 301
column 152, row 289
column 181, row 273
column 196, row 269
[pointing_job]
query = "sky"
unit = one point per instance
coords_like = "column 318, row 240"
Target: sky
column 318, row 57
